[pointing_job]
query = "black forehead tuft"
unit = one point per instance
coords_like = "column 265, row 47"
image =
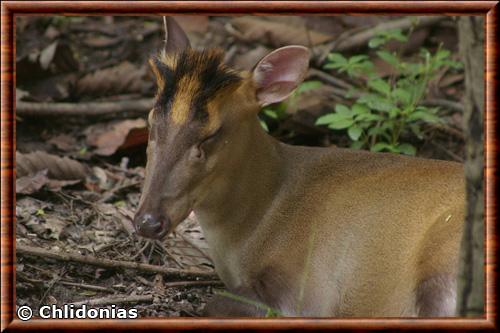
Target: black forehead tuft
column 206, row 66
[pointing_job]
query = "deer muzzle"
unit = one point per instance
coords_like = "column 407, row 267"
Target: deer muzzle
column 151, row 226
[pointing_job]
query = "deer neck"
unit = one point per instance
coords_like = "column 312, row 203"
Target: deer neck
column 240, row 196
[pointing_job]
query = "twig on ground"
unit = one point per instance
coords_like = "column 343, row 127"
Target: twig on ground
column 448, row 130
column 362, row 37
column 329, row 79
column 170, row 255
column 116, row 299
column 109, row 263
column 68, row 283
column 448, row 152
column 87, row 286
column 193, row 283
column 450, row 105
column 50, row 285
column 135, row 107
column 111, row 194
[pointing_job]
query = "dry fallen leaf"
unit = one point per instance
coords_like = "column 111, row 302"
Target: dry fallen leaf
column 276, row 34
column 193, row 23
column 247, row 60
column 63, row 142
column 123, row 78
column 32, row 183
column 55, row 58
column 61, row 168
column 56, row 185
column 115, row 135
column 47, row 228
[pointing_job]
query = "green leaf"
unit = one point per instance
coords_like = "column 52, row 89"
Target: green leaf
column 264, row 125
column 358, row 109
column 357, row 145
column 376, row 42
column 308, row 85
column 380, row 86
column 415, row 128
column 326, row 119
column 351, row 92
column 425, row 116
column 334, row 66
column 119, row 203
column 341, row 123
column 381, row 146
column 337, row 58
column 413, row 69
column 396, row 34
column 271, row 113
column 388, row 57
column 357, row 59
column 343, row 110
column 442, row 54
column 407, row 149
column 376, row 102
column 376, row 130
column 369, row 117
column 453, row 64
column 394, row 113
column 401, row 95
column 355, row 132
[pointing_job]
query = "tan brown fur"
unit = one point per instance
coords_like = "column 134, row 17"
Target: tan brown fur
column 386, row 228
column 381, row 221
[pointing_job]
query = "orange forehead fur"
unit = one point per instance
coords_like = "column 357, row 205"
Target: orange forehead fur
column 188, row 87
column 189, row 84
column 159, row 78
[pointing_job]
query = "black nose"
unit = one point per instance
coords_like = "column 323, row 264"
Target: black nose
column 150, row 226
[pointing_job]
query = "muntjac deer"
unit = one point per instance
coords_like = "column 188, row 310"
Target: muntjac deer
column 305, row 231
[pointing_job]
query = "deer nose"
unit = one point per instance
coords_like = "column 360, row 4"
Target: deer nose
column 150, row 226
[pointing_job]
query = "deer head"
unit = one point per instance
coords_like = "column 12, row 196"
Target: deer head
column 203, row 111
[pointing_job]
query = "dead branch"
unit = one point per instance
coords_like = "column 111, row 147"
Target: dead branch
column 361, row 38
column 193, row 284
column 116, row 299
column 109, row 263
column 450, row 105
column 68, row 283
column 134, row 107
column 329, row 79
column 451, row 154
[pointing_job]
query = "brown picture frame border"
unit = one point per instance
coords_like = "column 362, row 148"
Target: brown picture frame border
column 10, row 9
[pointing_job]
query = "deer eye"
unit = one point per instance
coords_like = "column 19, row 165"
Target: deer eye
column 211, row 137
column 198, row 152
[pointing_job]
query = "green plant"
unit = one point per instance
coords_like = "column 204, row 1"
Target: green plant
column 280, row 111
column 387, row 108
column 270, row 312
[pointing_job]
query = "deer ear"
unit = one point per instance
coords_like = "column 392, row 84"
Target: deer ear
column 176, row 40
column 280, row 72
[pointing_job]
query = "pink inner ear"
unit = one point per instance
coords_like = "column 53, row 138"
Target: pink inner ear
column 275, row 91
column 280, row 72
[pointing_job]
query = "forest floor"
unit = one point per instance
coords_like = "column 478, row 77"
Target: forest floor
column 80, row 170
